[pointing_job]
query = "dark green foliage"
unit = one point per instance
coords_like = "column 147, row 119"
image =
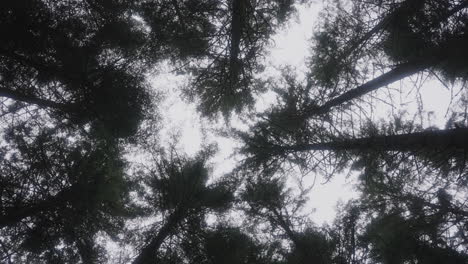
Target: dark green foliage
column 183, row 182
column 397, row 240
column 179, row 188
column 229, row 245
column 351, row 37
column 57, row 194
column 75, row 93
column 75, row 60
column 180, row 29
column 411, row 208
column 225, row 81
column 226, row 244
column 86, row 60
column 345, row 234
column 270, row 201
column 313, row 247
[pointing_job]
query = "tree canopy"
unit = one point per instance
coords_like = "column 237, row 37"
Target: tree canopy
column 86, row 175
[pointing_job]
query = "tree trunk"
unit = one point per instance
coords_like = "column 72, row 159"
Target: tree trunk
column 402, row 71
column 237, row 24
column 453, row 139
column 30, row 99
column 148, row 253
column 431, row 57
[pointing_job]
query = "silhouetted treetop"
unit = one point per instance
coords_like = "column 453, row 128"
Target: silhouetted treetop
column 179, row 189
column 225, row 81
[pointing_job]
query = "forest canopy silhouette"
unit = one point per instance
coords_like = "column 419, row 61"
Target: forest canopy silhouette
column 86, row 178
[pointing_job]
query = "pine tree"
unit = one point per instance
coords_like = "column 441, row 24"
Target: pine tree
column 56, row 195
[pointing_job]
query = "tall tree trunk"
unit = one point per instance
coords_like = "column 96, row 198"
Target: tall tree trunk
column 30, row 99
column 148, row 253
column 455, row 139
column 400, row 72
column 237, row 25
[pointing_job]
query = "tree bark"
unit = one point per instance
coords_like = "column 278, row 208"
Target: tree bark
column 453, row 139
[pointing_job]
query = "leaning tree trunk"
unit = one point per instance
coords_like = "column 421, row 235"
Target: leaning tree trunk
column 149, row 252
column 396, row 74
column 432, row 57
column 30, row 99
column 437, row 140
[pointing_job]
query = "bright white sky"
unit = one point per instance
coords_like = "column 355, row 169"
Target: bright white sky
column 290, row 47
